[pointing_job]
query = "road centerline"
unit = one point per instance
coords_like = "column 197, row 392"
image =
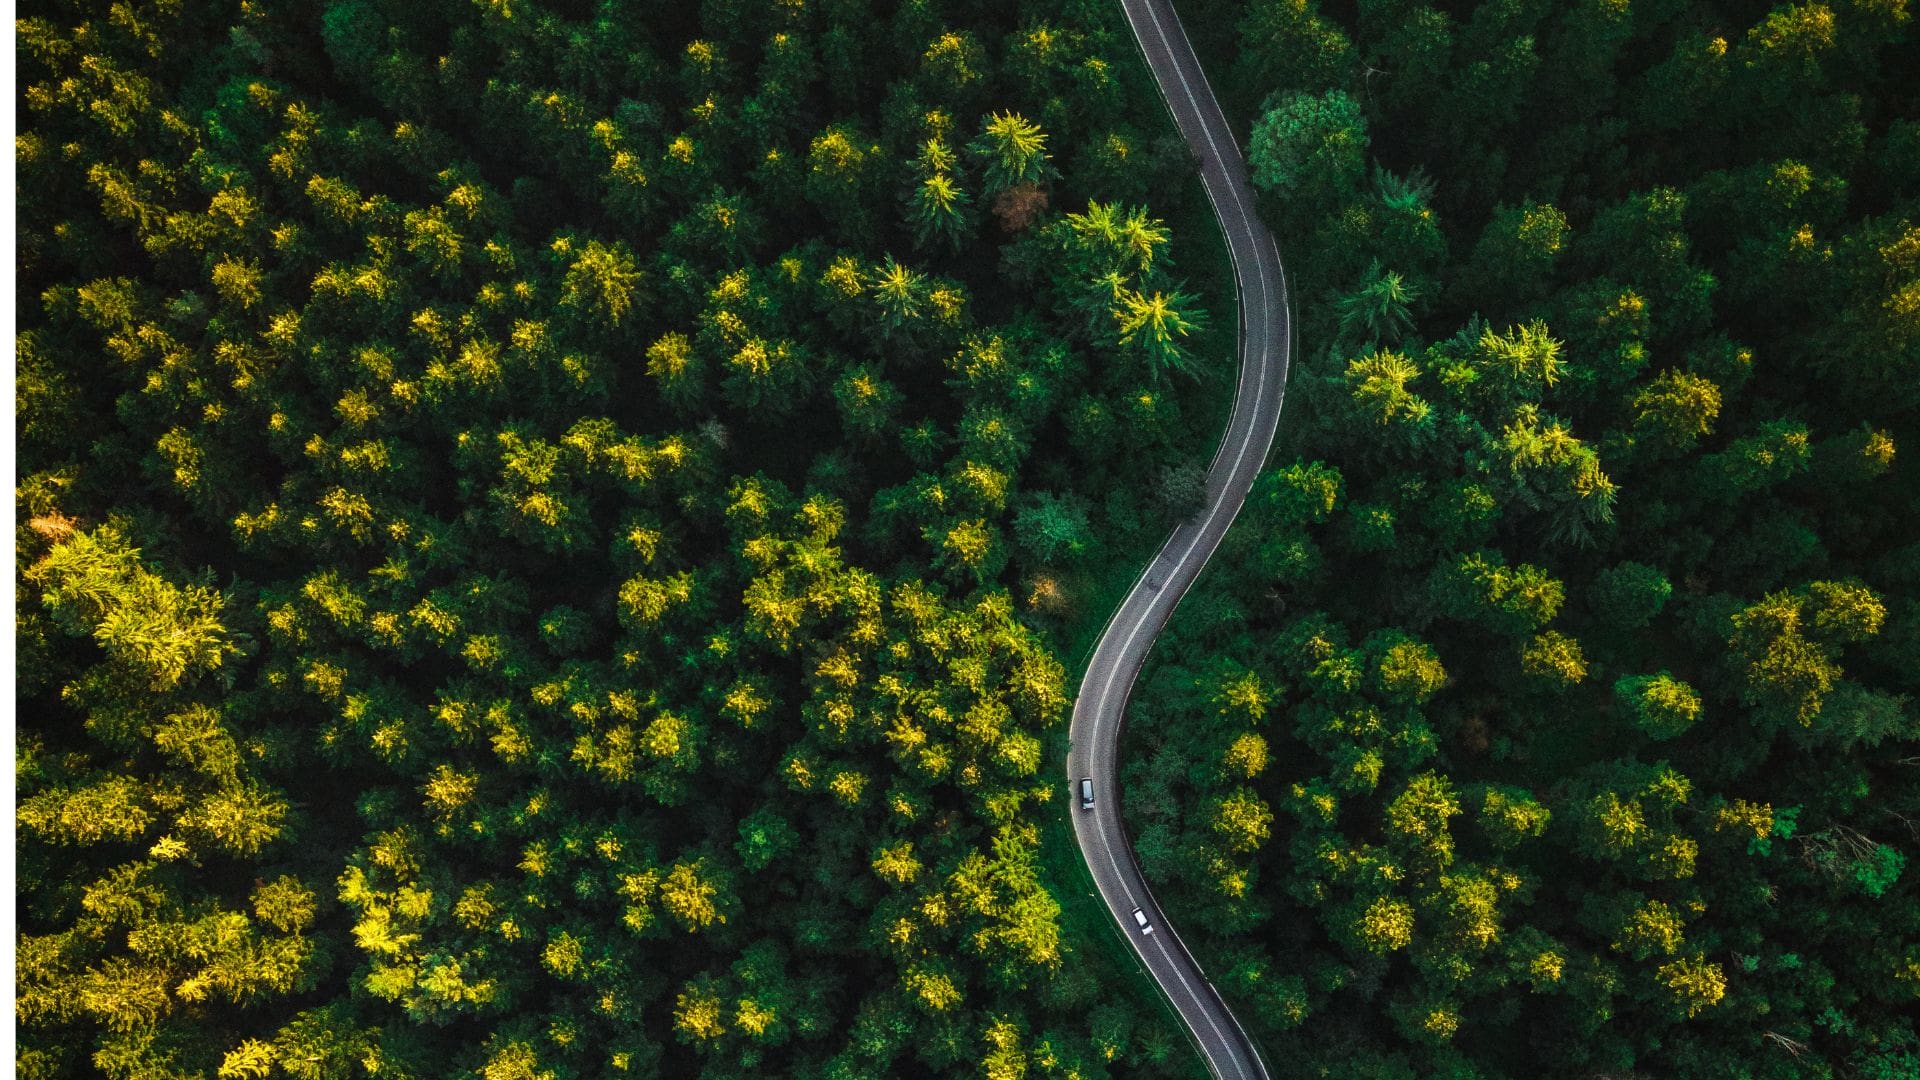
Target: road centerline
column 1264, row 345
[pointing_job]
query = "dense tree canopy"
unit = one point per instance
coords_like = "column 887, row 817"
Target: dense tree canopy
column 1550, row 713
column 552, row 535
column 545, row 529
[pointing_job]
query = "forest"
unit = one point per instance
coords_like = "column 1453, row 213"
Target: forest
column 550, row 534
column 555, row 538
column 1549, row 712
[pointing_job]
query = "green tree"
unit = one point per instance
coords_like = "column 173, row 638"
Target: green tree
column 1012, row 151
column 1309, row 151
column 939, row 212
column 97, row 583
column 1510, row 815
column 1515, row 257
column 1380, row 311
column 1054, row 528
column 1788, row 644
column 1288, row 46
column 1514, row 601
column 1182, row 489
column 1627, row 596
column 1155, row 327
column 1659, row 705
column 601, row 280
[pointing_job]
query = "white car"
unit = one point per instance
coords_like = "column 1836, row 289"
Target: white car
column 1086, row 793
column 1140, row 920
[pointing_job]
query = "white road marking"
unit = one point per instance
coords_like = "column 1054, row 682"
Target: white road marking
column 1098, row 708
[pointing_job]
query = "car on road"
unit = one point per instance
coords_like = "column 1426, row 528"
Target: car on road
column 1140, row 920
column 1086, row 793
column 1153, row 580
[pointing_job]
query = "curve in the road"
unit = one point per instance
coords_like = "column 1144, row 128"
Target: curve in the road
column 1265, row 345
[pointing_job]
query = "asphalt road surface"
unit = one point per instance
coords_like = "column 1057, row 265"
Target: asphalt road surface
column 1265, row 336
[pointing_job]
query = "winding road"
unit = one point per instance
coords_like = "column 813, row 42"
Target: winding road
column 1098, row 711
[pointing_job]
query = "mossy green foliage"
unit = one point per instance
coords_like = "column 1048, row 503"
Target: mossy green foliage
column 544, row 528
column 1587, row 656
